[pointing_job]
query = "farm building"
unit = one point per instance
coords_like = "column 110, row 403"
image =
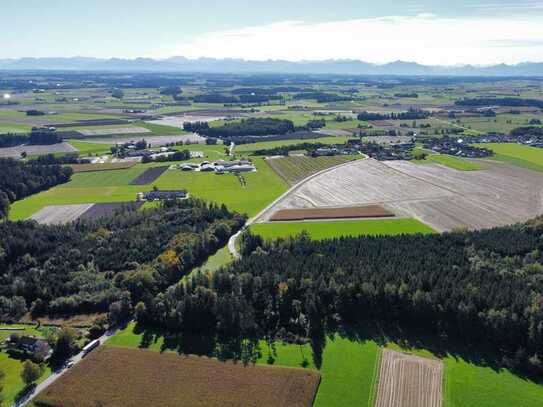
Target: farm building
column 29, row 346
column 162, row 195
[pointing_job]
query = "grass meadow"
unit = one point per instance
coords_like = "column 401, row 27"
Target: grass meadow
column 451, row 162
column 333, row 229
column 517, row 154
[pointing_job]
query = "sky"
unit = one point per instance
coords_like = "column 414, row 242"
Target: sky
column 435, row 32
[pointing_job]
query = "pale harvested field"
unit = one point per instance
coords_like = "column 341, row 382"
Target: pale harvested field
column 60, row 214
column 177, row 121
column 120, row 130
column 36, row 150
column 439, row 196
column 409, row 381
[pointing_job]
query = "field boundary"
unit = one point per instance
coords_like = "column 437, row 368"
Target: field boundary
column 375, row 378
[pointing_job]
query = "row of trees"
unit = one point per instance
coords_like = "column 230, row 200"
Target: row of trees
column 20, row 179
column 411, row 114
column 37, row 136
column 485, row 288
column 505, row 101
column 250, row 127
column 90, row 266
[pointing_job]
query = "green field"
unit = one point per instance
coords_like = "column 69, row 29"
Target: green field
column 517, row 154
column 262, row 187
column 347, row 368
column 86, row 148
column 473, row 385
column 450, row 161
column 333, row 229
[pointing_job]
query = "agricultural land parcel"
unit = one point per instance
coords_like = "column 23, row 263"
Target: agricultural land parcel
column 440, row 197
column 517, row 154
column 335, row 229
column 134, row 377
column 349, row 372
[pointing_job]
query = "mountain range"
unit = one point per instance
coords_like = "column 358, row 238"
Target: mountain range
column 212, row 65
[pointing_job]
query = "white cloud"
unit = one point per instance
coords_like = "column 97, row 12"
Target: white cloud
column 424, row 38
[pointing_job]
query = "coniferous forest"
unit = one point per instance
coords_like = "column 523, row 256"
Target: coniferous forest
column 20, row 179
column 89, row 265
column 483, row 287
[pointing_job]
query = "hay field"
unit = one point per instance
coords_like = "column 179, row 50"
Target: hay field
column 123, row 165
column 60, row 214
column 409, row 381
column 135, row 377
column 114, row 131
column 441, row 197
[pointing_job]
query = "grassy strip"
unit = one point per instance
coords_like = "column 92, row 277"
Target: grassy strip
column 334, row 229
column 517, row 154
column 450, row 161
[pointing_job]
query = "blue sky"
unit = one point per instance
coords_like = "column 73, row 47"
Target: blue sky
column 429, row 31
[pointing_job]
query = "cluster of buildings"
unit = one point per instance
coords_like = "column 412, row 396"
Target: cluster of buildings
column 534, row 140
column 162, row 195
column 219, row 167
column 456, row 147
column 333, row 150
column 30, row 347
column 382, row 152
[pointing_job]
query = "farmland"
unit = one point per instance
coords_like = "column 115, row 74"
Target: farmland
column 371, row 211
column 452, row 162
column 295, row 169
column 132, row 377
column 149, row 176
column 441, row 197
column 522, row 156
column 62, row 214
column 329, row 230
column 406, row 380
column 113, row 186
column 346, row 367
column 102, row 167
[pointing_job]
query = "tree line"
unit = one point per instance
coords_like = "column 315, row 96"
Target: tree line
column 35, row 137
column 505, row 101
column 21, row 179
column 249, row 127
column 411, row 114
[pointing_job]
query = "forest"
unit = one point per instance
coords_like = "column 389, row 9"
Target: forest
column 286, row 149
column 21, row 179
column 89, row 265
column 36, row 137
column 409, row 115
column 484, row 288
column 250, row 127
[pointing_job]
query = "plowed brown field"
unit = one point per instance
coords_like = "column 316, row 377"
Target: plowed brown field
column 135, row 377
column 371, row 211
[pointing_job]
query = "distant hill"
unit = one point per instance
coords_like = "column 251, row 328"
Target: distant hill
column 212, row 65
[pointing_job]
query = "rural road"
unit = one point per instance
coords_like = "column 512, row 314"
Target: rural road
column 232, row 241
column 55, row 375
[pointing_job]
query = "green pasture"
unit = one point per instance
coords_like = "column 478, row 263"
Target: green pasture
column 517, row 154
column 334, row 229
column 12, row 368
column 87, row 148
column 461, row 164
column 262, row 187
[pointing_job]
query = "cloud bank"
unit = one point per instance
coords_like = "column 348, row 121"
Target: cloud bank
column 425, row 38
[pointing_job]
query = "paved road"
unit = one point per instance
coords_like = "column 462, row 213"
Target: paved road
column 55, row 375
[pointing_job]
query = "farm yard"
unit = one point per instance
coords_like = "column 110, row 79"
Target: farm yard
column 296, row 168
column 329, row 230
column 443, row 198
column 134, row 377
column 409, row 381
